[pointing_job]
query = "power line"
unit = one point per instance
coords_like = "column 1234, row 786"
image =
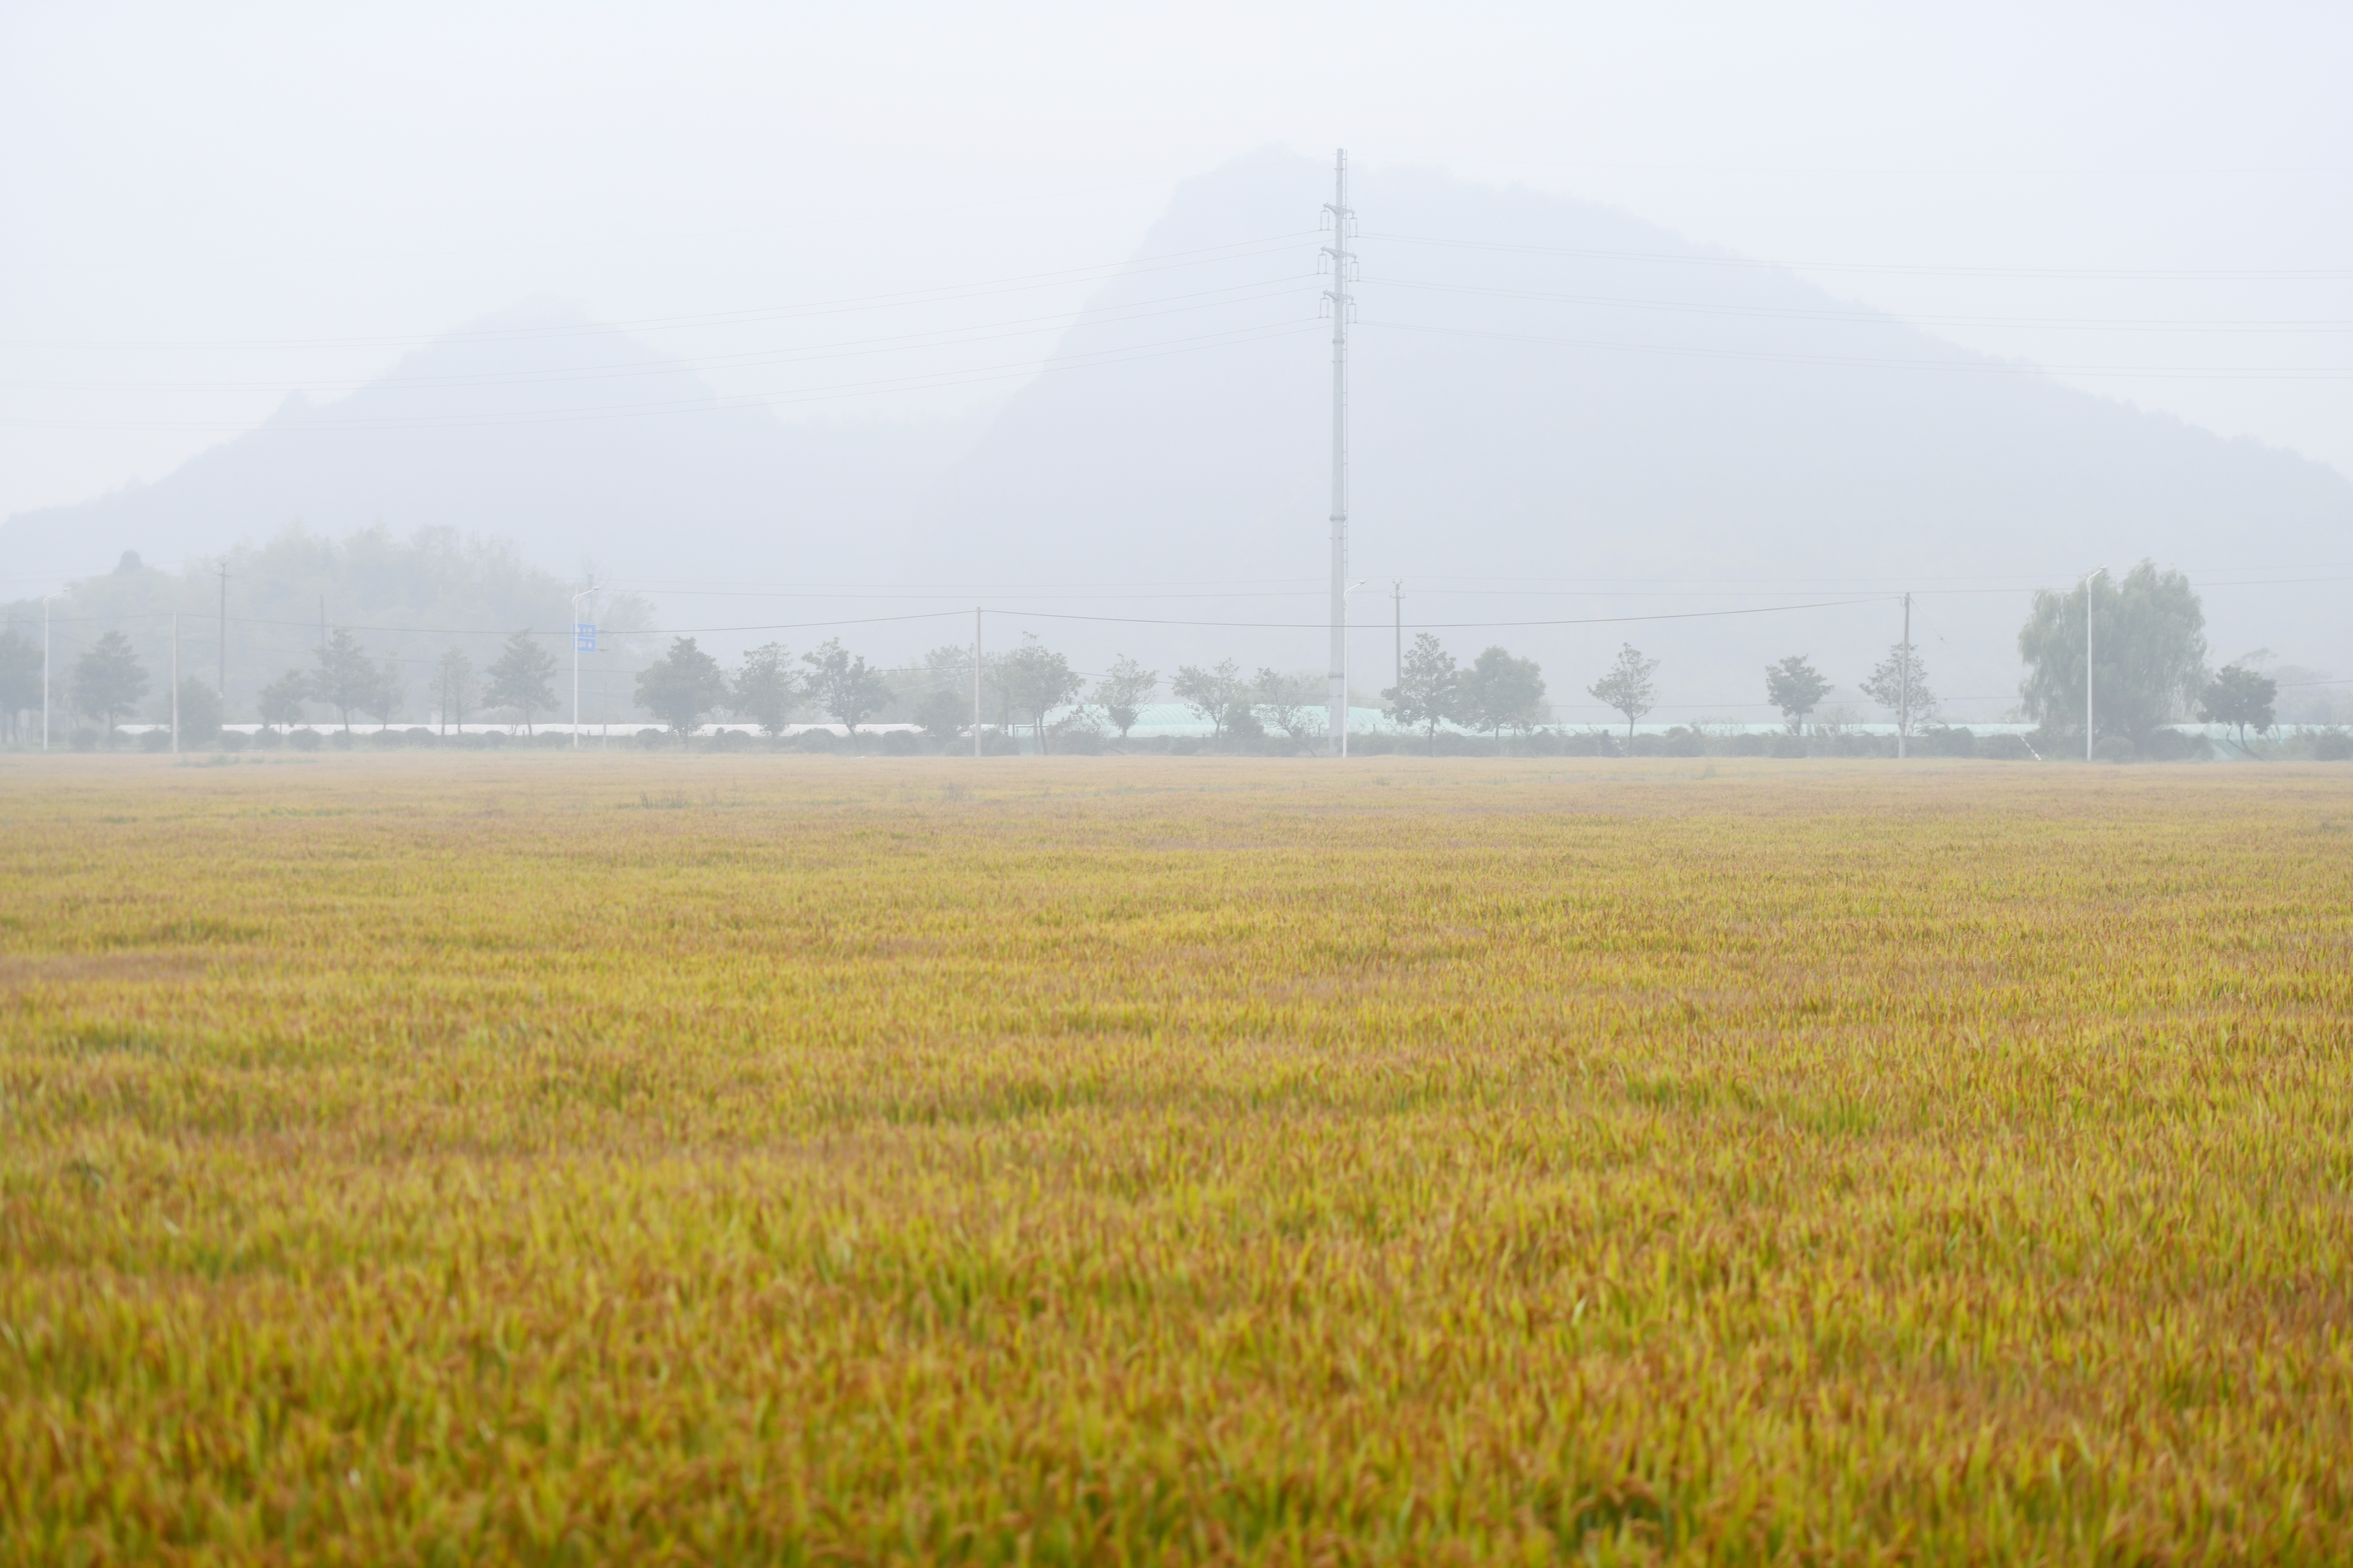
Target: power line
column 1962, row 360
column 946, row 293
column 1859, row 315
column 1690, row 259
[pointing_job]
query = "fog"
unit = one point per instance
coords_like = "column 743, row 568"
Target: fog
column 858, row 313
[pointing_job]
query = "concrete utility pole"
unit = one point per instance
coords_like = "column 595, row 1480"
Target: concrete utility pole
column 1903, row 710
column 1397, row 600
column 583, row 592
column 976, row 682
column 1345, row 591
column 1343, row 220
column 2095, row 571
column 224, row 638
column 45, row 672
column 175, row 683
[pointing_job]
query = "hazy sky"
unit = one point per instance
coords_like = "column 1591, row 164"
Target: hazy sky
column 209, row 206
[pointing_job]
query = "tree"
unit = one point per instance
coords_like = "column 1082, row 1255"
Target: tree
column 768, row 688
column 1123, row 691
column 1218, row 694
column 1429, row 690
column 1039, row 681
column 108, row 680
column 281, row 700
column 1900, row 685
column 346, row 678
column 20, row 678
column 1500, row 692
column 522, row 677
column 2239, row 696
column 943, row 713
column 2149, row 637
column 1627, row 685
column 1797, row 688
column 1296, row 704
column 682, row 686
column 200, row 710
column 384, row 693
column 453, row 688
column 843, row 684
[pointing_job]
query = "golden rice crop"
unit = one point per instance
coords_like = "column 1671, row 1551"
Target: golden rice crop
column 564, row 1159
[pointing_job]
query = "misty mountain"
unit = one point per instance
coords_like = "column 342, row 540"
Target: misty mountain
column 1559, row 412
column 580, row 445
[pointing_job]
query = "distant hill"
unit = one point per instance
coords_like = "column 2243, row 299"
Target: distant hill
column 1559, row 412
column 1565, row 398
column 505, row 431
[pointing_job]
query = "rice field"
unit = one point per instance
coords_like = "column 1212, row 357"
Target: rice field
column 427, row 1159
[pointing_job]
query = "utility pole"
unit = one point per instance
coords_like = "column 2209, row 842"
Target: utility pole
column 224, row 637
column 175, row 683
column 1397, row 600
column 1344, row 591
column 975, row 683
column 1903, row 712
column 45, row 672
column 583, row 592
column 2095, row 571
column 1343, row 220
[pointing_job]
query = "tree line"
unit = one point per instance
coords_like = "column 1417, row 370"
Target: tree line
column 2149, row 647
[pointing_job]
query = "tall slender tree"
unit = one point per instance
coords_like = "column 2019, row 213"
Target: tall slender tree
column 108, row 680
column 346, row 680
column 843, row 684
column 1500, row 692
column 1627, row 687
column 681, row 687
column 1122, row 692
column 1428, row 692
column 1797, row 688
column 768, row 688
column 522, row 677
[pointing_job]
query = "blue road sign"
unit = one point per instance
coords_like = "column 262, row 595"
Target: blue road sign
column 584, row 636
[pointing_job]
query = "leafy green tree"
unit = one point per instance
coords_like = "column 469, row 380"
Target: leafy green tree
column 522, row 677
column 1428, row 692
column 1123, row 691
column 768, row 688
column 1797, row 688
column 1219, row 695
column 943, row 713
column 386, row 694
column 200, row 711
column 1627, row 687
column 2241, row 697
column 682, row 686
column 281, row 703
column 1295, row 705
column 843, row 685
column 346, row 679
column 1900, row 684
column 108, row 680
column 2150, row 639
column 1039, row 681
column 453, row 688
column 1503, row 692
column 20, row 680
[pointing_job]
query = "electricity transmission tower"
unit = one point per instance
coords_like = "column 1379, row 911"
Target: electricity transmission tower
column 1343, row 262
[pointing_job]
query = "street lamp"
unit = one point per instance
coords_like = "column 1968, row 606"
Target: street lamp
column 1343, row 663
column 2095, row 571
